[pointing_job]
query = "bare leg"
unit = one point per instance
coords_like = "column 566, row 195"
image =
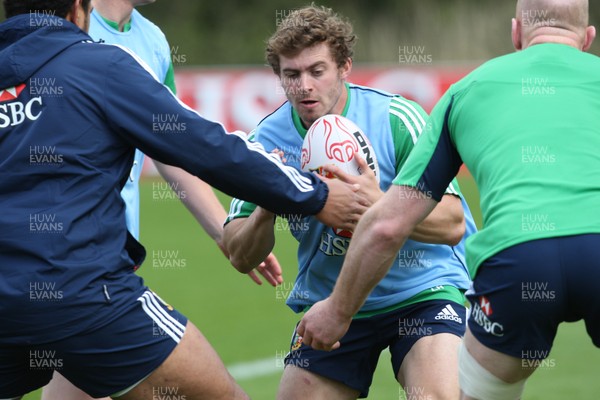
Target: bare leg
column 430, row 369
column 193, row 370
column 60, row 388
column 300, row 384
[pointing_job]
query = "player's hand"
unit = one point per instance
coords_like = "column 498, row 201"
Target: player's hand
column 321, row 327
column 280, row 154
column 369, row 187
column 270, row 270
column 344, row 205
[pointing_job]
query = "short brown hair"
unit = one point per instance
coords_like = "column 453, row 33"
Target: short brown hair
column 307, row 27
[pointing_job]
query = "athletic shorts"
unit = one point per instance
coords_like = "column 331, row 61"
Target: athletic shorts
column 354, row 362
column 101, row 362
column 521, row 295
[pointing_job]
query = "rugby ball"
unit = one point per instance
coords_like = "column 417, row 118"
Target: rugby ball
column 334, row 139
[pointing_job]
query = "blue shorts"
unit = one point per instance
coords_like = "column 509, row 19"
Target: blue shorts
column 354, row 362
column 523, row 293
column 101, row 362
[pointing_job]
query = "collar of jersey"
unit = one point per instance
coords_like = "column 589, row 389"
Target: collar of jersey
column 115, row 25
column 298, row 123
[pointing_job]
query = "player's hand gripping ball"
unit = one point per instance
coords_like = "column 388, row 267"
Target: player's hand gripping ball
column 334, row 139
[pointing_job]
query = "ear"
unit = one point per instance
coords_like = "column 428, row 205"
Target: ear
column 516, row 34
column 73, row 14
column 346, row 68
column 590, row 34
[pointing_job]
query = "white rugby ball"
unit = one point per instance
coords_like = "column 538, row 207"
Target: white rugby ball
column 334, row 139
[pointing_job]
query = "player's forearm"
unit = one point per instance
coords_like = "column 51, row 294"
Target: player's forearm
column 249, row 240
column 375, row 244
column 372, row 251
column 444, row 225
column 199, row 198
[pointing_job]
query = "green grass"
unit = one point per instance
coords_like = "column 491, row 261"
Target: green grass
column 246, row 322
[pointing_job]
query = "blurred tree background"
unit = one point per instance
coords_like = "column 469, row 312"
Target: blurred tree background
column 234, row 32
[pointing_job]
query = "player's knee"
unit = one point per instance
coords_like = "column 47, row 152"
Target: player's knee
column 478, row 383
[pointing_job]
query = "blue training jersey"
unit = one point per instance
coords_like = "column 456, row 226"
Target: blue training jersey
column 393, row 125
column 149, row 43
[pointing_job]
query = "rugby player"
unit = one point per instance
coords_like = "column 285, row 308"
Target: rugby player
column 67, row 259
column 417, row 309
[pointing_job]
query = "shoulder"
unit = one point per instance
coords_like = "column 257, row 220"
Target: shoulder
column 487, row 70
column 383, row 100
column 406, row 106
column 281, row 116
column 369, row 92
column 96, row 53
column 277, row 128
column 110, row 59
column 368, row 100
column 148, row 26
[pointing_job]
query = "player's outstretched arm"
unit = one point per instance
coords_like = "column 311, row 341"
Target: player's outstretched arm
column 227, row 162
column 249, row 240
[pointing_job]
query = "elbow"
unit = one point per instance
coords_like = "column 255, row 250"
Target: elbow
column 389, row 234
column 452, row 220
column 456, row 232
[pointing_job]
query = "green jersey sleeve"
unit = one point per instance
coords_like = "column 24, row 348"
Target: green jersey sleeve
column 170, row 78
column 239, row 209
column 408, row 121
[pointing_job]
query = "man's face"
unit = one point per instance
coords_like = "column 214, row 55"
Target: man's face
column 313, row 82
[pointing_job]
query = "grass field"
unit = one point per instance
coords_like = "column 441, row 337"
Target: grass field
column 250, row 323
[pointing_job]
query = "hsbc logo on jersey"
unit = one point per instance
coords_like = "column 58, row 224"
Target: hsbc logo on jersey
column 14, row 112
column 480, row 313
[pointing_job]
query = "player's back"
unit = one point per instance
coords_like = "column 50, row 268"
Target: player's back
column 62, row 168
column 526, row 127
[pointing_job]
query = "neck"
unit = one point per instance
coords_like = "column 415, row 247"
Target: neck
column 341, row 103
column 118, row 11
column 555, row 35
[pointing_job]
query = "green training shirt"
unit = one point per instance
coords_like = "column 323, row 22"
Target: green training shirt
column 527, row 127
